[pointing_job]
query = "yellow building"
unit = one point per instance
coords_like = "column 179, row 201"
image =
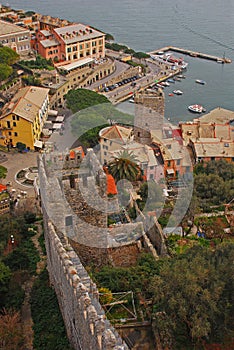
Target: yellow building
column 23, row 118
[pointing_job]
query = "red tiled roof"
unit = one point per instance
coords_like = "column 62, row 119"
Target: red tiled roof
column 2, row 188
column 111, row 186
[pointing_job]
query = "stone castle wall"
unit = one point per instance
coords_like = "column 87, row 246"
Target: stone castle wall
column 85, row 321
column 72, row 241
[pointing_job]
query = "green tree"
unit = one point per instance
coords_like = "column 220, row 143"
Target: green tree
column 124, row 166
column 82, row 98
column 8, row 56
column 5, row 275
column 5, row 71
column 3, row 172
column 194, row 293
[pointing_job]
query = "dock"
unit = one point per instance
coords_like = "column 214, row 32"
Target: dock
column 192, row 54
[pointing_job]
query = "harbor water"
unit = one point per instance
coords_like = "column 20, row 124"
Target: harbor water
column 203, row 26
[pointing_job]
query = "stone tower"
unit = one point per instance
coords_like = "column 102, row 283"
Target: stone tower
column 149, row 114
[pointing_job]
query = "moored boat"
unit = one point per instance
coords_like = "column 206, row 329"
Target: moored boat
column 178, row 92
column 202, row 82
column 196, row 108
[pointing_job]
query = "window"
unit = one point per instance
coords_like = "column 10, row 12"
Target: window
column 178, row 162
column 69, row 49
column 81, row 46
column 87, row 45
column 8, row 124
column 94, row 43
column 151, row 176
column 100, row 42
column 94, row 51
column 17, row 117
column 9, row 133
column 16, row 133
column 14, row 123
column 13, row 117
column 74, row 48
column 151, row 167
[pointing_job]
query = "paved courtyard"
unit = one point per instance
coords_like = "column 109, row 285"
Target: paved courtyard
column 14, row 163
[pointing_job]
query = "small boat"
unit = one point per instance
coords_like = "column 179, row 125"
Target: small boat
column 177, row 79
column 171, row 80
column 132, row 100
column 165, row 83
column 196, row 108
column 178, row 92
column 160, row 86
column 202, row 82
column 171, row 94
column 181, row 76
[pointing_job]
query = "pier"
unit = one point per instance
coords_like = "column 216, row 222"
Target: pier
column 192, row 54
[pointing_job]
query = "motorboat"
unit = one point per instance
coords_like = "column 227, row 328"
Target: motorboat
column 165, row 83
column 196, row 108
column 178, row 92
column 132, row 100
column 171, row 94
column 181, row 76
column 202, row 82
column 170, row 80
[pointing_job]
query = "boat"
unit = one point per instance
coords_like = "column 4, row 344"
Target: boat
column 196, row 108
column 202, row 82
column 165, row 83
column 177, row 79
column 132, row 100
column 181, row 76
column 170, row 80
column 178, row 92
column 159, row 85
column 171, row 94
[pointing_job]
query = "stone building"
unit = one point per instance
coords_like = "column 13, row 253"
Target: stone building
column 149, row 114
column 23, row 118
column 15, row 37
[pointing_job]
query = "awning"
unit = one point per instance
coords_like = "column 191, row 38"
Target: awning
column 52, row 112
column 59, row 119
column 57, row 126
column 38, row 144
column 76, row 64
column 170, row 171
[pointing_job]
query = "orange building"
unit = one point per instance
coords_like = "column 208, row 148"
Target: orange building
column 70, row 43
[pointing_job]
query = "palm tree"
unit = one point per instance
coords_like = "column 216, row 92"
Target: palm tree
column 124, row 166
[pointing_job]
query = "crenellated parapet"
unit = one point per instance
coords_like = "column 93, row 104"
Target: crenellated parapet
column 78, row 297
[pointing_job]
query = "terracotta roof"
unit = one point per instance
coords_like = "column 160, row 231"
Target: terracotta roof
column 2, row 188
column 111, row 186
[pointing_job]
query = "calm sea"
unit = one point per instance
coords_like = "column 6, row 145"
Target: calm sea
column 204, row 26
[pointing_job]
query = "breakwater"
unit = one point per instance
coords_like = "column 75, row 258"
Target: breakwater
column 192, row 54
